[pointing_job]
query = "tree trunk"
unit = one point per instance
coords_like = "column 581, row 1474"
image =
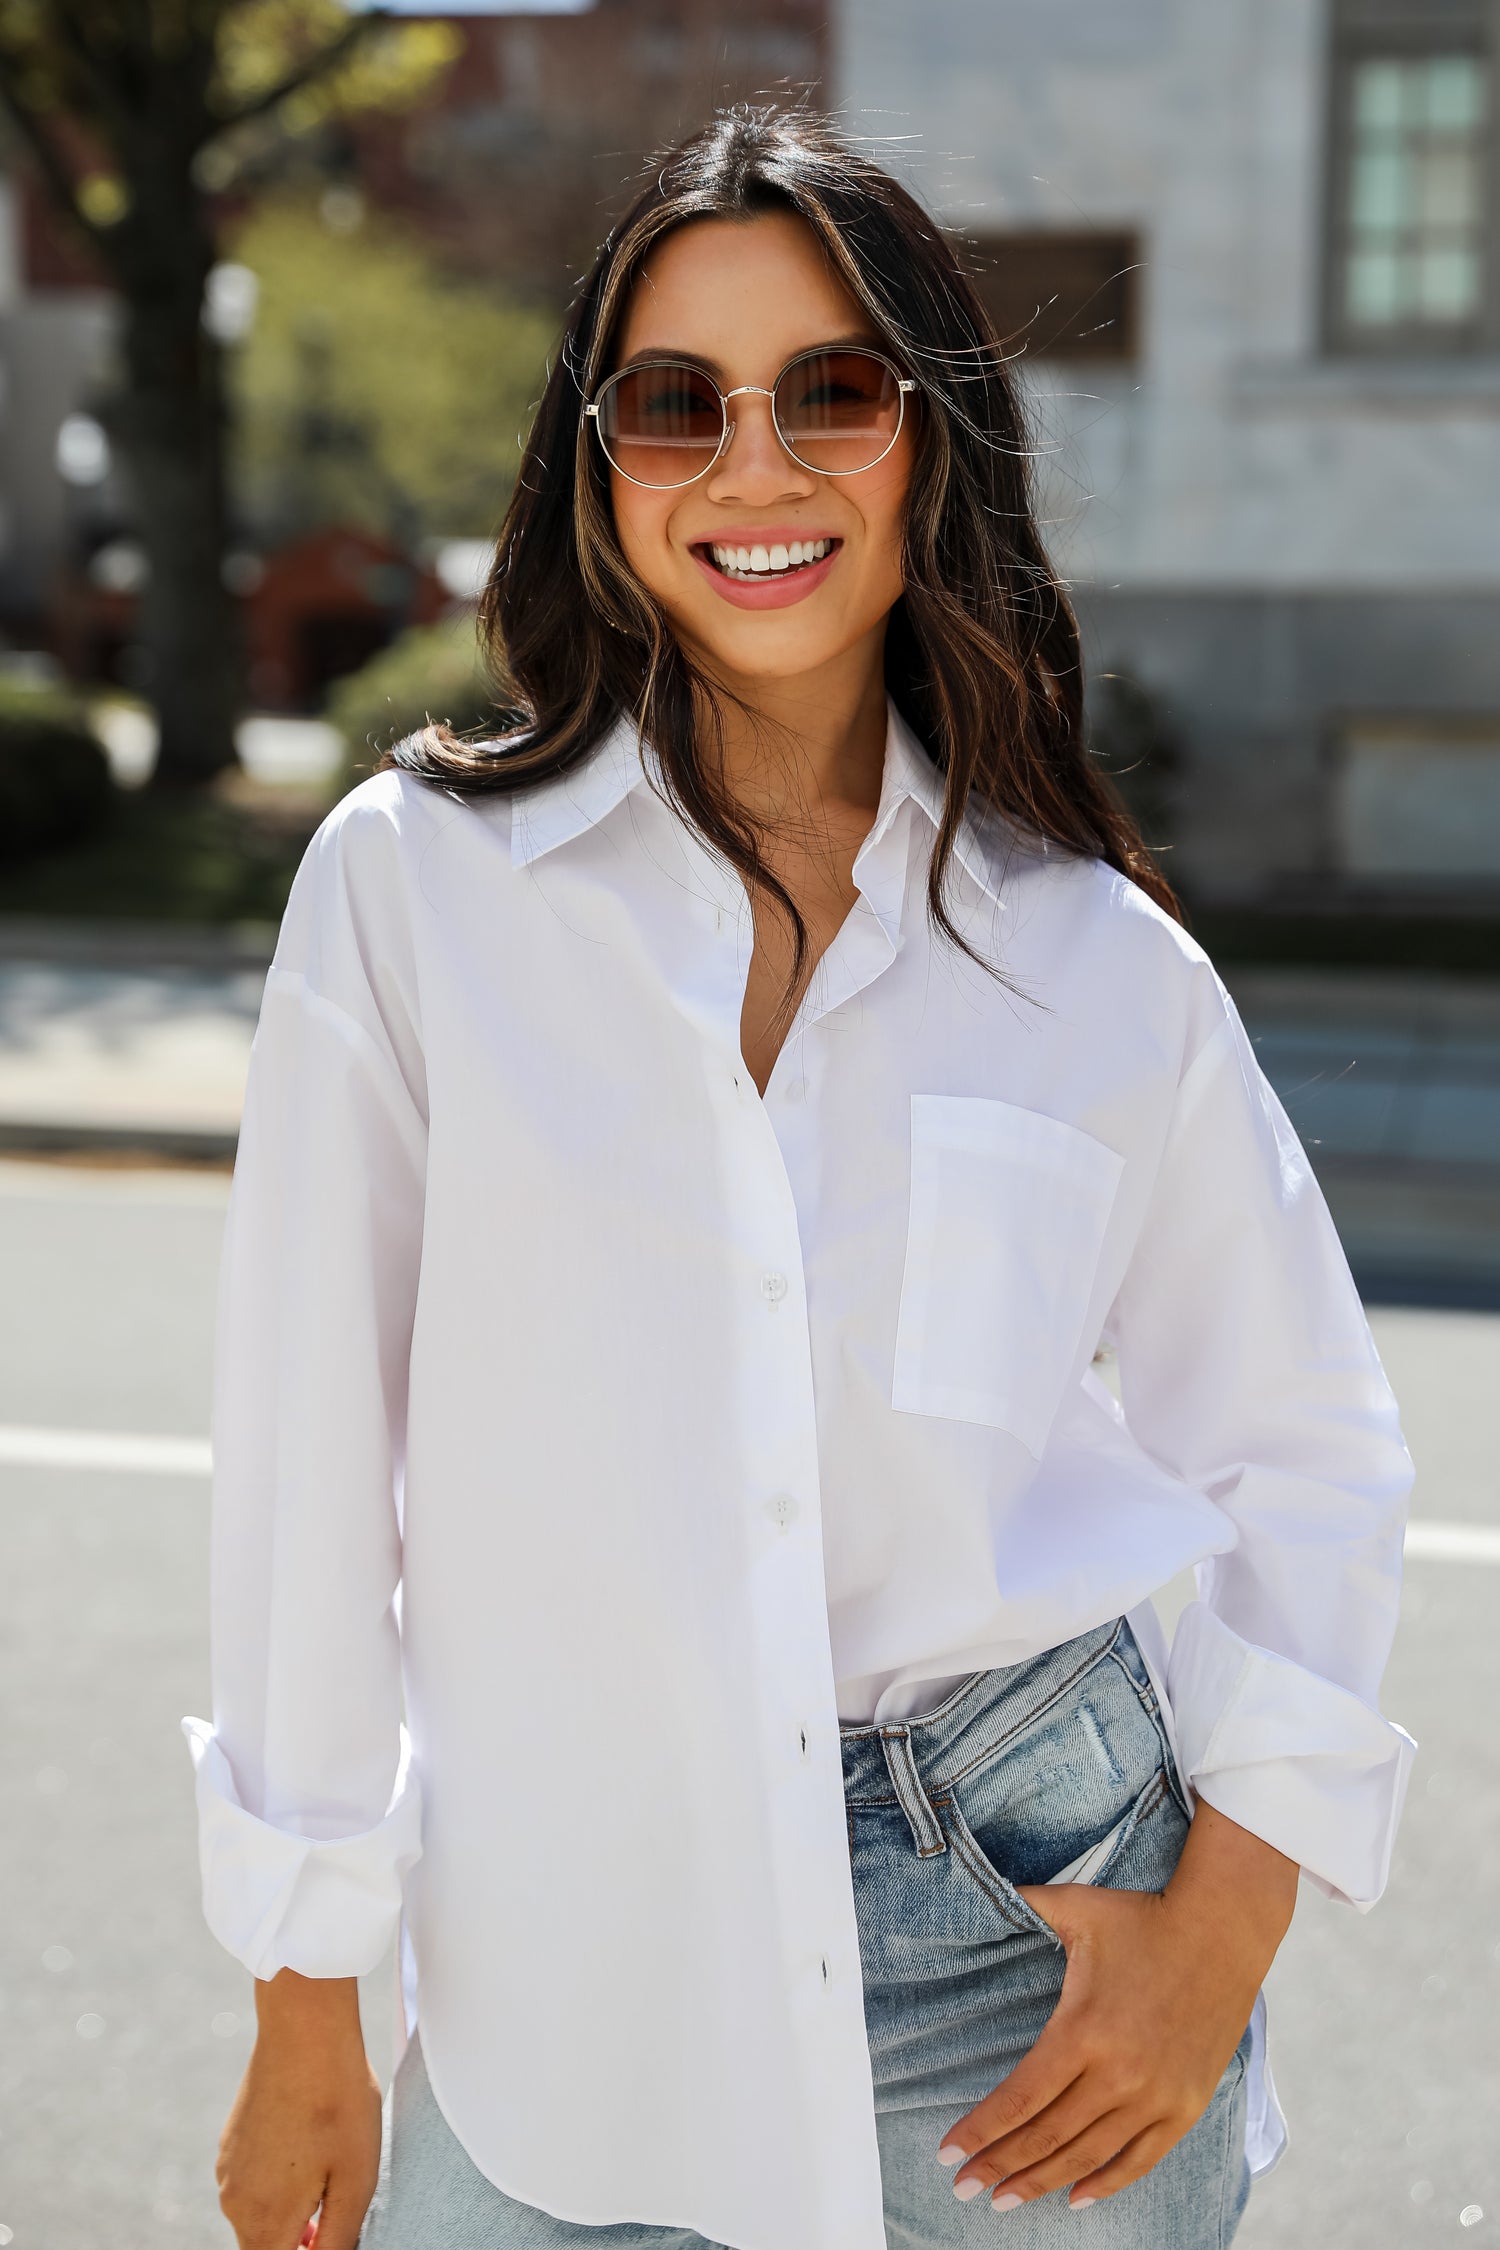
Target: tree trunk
column 170, row 424
column 169, row 417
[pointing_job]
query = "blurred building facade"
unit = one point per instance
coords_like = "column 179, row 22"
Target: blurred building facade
column 1252, row 255
column 537, row 137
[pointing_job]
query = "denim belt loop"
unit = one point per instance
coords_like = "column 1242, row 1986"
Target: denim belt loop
column 926, row 1831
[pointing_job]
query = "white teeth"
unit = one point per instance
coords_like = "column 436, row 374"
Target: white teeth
column 760, row 562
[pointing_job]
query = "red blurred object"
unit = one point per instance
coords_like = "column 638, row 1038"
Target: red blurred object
column 323, row 607
column 309, row 612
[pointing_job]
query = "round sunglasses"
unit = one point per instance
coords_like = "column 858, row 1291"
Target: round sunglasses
column 663, row 422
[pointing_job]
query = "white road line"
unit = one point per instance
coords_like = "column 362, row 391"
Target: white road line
column 23, row 1448
column 1453, row 1542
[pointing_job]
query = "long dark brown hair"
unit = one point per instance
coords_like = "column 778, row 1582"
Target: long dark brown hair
column 982, row 655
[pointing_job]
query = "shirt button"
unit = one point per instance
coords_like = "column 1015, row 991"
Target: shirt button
column 773, row 1287
column 802, row 1738
column 782, row 1510
column 827, row 1972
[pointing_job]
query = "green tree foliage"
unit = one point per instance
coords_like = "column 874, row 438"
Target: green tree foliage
column 84, row 82
column 374, row 389
column 341, row 66
column 55, row 784
column 431, row 672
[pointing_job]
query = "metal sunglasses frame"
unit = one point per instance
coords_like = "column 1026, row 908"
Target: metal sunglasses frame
column 904, row 383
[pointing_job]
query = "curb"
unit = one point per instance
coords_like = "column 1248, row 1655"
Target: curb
column 177, row 1144
column 161, row 945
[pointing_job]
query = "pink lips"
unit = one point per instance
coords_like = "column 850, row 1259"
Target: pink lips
column 776, row 593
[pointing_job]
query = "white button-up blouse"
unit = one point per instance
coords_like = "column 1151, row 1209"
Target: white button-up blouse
column 631, row 1428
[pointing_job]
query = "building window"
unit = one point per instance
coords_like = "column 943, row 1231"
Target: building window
column 1054, row 295
column 1413, row 179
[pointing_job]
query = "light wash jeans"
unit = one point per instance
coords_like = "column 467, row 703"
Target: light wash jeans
column 1020, row 1774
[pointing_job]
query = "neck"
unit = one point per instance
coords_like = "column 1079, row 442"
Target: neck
column 816, row 739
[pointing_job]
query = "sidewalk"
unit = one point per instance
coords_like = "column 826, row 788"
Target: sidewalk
column 126, row 1039
column 139, row 1039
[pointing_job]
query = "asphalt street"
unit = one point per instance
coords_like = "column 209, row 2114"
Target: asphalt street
column 124, row 2028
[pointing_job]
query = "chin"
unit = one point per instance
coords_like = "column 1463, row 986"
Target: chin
column 760, row 648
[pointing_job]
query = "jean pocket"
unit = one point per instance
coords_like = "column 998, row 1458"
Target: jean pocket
column 997, row 1888
column 1089, row 1866
column 1138, row 1854
column 1050, row 1791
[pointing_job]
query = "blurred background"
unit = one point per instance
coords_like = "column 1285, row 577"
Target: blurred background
column 278, row 285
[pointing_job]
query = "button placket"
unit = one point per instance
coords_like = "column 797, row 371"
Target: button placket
column 778, row 1463
column 787, row 1588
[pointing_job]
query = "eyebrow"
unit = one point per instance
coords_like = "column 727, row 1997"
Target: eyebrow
column 860, row 340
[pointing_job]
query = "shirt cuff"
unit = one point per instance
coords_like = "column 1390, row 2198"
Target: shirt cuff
column 1299, row 1761
column 276, row 1900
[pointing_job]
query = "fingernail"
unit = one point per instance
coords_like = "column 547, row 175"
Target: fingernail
column 1007, row 2202
column 963, row 2189
column 1081, row 2202
column 950, row 2153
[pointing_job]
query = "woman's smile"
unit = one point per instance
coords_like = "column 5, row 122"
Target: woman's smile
column 768, row 568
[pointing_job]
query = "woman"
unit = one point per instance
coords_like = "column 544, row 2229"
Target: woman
column 698, row 1144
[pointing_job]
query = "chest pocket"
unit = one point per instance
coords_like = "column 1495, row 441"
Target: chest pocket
column 1008, row 1212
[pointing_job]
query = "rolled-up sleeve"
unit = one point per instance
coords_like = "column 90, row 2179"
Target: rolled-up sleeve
column 1247, row 1368
column 309, row 1813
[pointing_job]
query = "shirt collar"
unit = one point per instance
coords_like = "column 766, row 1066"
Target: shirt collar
column 912, row 778
column 557, row 811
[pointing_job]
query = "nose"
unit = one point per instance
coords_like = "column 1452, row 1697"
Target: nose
column 755, row 466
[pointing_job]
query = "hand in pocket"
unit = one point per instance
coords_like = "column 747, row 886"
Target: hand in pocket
column 1158, row 1990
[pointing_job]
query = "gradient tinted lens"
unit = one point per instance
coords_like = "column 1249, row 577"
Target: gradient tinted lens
column 662, row 424
column 838, row 411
